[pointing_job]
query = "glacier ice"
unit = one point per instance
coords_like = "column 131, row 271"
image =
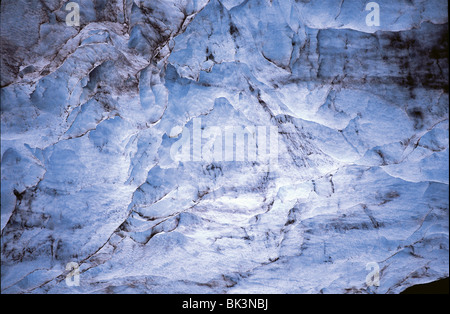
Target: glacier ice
column 89, row 115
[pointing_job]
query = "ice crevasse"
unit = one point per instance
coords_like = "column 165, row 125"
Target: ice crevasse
column 90, row 114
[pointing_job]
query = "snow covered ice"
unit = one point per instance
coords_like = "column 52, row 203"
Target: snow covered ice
column 91, row 113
